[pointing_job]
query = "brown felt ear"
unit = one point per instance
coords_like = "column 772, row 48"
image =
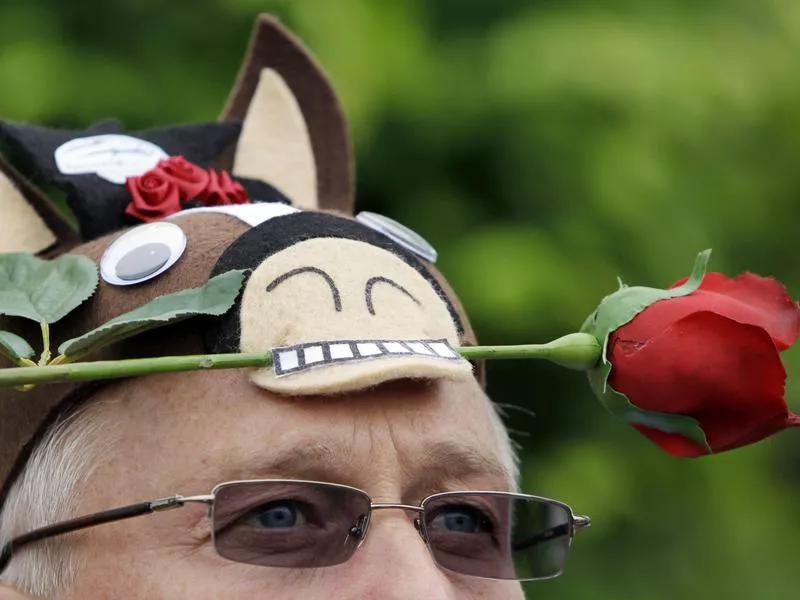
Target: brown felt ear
column 294, row 134
column 28, row 222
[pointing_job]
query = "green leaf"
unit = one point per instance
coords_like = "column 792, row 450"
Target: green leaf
column 622, row 306
column 216, row 297
column 14, row 347
column 44, row 290
column 620, row 405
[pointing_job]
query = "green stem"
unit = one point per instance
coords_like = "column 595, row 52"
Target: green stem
column 45, row 357
column 579, row 351
column 576, row 351
column 115, row 369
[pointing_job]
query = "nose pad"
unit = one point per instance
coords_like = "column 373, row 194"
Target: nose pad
column 359, row 529
column 420, row 530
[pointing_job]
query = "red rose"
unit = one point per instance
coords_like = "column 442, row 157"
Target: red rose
column 221, row 190
column 712, row 355
column 174, row 182
column 154, row 196
column 190, row 179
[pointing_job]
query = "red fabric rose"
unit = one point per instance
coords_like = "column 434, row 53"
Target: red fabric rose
column 154, row 196
column 712, row 355
column 221, row 190
column 190, row 179
column 174, row 182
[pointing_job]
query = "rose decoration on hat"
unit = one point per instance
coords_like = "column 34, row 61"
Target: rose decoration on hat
column 176, row 182
column 697, row 368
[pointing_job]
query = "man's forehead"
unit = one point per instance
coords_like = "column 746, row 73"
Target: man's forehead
column 230, row 430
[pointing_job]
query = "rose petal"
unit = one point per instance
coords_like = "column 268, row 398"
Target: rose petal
column 190, row 179
column 725, row 374
column 673, row 443
column 222, row 190
column 761, row 301
column 153, row 197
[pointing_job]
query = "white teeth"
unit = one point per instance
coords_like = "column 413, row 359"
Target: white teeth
column 295, row 359
column 287, row 359
column 339, row 351
column 419, row 348
column 313, row 354
column 368, row 349
column 443, row 349
column 396, row 348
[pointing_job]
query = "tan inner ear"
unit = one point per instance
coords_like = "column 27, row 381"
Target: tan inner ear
column 275, row 145
column 21, row 227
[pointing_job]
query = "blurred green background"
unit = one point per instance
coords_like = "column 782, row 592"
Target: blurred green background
column 544, row 147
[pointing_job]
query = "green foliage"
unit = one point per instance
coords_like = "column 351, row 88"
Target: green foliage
column 44, row 291
column 215, row 298
column 14, row 347
column 544, row 148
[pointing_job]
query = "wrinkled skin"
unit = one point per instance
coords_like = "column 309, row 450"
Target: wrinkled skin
column 174, row 443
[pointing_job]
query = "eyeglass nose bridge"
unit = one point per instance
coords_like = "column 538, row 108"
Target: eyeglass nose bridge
column 361, row 526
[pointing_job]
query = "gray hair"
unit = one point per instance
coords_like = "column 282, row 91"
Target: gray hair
column 48, row 491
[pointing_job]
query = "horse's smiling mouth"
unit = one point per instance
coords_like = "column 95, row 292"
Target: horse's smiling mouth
column 288, row 360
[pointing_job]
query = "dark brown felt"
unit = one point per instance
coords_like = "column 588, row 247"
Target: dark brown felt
column 67, row 236
column 273, row 47
column 468, row 337
column 22, row 413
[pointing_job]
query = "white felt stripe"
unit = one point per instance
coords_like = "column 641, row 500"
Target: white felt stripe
column 295, row 359
column 113, row 157
column 253, row 214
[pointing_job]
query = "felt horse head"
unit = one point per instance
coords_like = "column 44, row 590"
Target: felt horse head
column 345, row 302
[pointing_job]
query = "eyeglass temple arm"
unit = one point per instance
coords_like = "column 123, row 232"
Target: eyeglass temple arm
column 578, row 522
column 108, row 516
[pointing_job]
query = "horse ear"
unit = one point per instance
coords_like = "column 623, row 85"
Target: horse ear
column 28, row 222
column 294, row 133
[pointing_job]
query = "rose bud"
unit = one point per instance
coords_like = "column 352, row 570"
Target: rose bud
column 222, row 190
column 153, row 196
column 697, row 368
column 190, row 179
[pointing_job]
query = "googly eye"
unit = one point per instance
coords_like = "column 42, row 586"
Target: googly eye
column 400, row 234
column 142, row 253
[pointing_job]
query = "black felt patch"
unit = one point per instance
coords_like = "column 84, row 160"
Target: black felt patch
column 99, row 205
column 260, row 191
column 251, row 249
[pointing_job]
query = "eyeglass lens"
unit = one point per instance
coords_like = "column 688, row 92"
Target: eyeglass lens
column 307, row 524
column 499, row 536
column 288, row 524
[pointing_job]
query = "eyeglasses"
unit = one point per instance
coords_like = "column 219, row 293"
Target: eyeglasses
column 309, row 524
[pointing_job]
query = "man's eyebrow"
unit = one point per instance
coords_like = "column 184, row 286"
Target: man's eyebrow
column 436, row 464
column 454, row 461
column 306, row 460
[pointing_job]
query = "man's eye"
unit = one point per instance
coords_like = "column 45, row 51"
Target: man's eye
column 281, row 514
column 461, row 519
